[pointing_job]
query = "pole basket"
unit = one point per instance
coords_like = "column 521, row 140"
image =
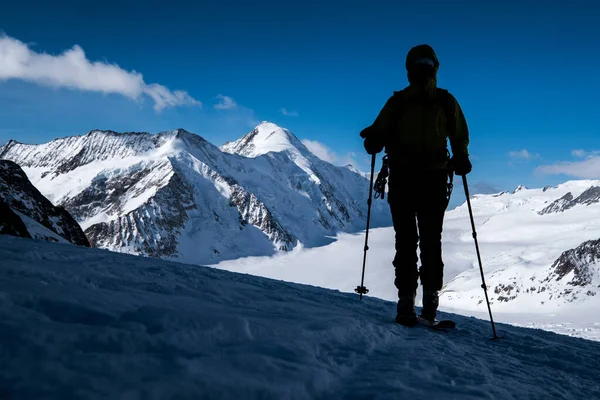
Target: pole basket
column 361, row 290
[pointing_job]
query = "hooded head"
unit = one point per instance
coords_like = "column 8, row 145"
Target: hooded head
column 422, row 66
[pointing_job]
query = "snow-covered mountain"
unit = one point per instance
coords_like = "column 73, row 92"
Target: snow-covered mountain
column 175, row 195
column 99, row 325
column 578, row 268
column 590, row 196
column 539, row 248
column 265, row 138
column 25, row 212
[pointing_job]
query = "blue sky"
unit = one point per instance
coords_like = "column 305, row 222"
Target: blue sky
column 524, row 72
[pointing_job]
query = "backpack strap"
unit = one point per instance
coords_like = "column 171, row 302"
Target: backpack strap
column 450, row 111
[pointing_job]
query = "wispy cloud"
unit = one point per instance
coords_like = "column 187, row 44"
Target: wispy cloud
column 585, row 169
column 588, row 168
column 320, row 150
column 523, row 154
column 583, row 153
column 71, row 69
column 225, row 103
column 288, row 113
column 326, row 154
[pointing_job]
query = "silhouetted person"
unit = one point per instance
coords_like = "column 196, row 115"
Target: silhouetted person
column 414, row 126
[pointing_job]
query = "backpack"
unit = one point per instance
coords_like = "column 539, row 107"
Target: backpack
column 448, row 105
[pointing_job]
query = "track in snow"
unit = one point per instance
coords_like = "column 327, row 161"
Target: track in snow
column 89, row 324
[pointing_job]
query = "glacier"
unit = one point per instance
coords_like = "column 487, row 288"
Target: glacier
column 541, row 270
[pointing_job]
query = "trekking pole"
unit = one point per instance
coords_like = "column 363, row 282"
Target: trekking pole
column 362, row 289
column 483, row 285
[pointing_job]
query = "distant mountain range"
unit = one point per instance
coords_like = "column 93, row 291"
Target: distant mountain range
column 174, row 195
column 540, row 247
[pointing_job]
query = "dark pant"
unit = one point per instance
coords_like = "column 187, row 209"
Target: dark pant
column 418, row 202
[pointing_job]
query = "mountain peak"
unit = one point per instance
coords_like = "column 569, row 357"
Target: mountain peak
column 520, row 188
column 268, row 125
column 265, row 138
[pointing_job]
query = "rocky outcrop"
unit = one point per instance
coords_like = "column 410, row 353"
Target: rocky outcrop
column 588, row 197
column 20, row 196
column 11, row 223
column 578, row 266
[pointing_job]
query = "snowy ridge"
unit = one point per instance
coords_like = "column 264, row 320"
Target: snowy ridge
column 589, row 196
column 366, row 175
column 96, row 145
column 42, row 220
column 96, row 324
column 174, row 195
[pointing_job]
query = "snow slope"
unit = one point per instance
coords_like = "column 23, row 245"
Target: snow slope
column 90, row 324
column 542, row 270
column 174, row 195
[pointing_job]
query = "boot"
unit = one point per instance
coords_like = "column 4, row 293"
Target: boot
column 406, row 309
column 430, row 304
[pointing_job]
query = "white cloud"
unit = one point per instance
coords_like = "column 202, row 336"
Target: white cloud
column 523, row 154
column 71, row 69
column 320, row 150
column 326, row 154
column 582, row 153
column 288, row 113
column 585, row 169
column 225, row 103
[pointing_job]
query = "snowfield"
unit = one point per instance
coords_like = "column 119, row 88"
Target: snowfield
column 78, row 323
column 519, row 247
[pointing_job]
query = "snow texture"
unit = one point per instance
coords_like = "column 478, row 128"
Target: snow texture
column 82, row 323
column 173, row 195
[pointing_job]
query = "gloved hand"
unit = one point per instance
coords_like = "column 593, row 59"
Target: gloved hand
column 372, row 146
column 461, row 164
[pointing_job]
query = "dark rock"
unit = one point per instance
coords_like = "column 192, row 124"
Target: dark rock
column 11, row 223
column 19, row 194
column 589, row 196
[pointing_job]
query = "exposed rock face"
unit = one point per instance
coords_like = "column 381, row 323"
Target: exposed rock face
column 578, row 266
column 590, row 196
column 11, row 223
column 19, row 196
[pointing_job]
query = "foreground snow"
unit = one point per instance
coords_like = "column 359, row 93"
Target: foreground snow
column 89, row 324
column 338, row 266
